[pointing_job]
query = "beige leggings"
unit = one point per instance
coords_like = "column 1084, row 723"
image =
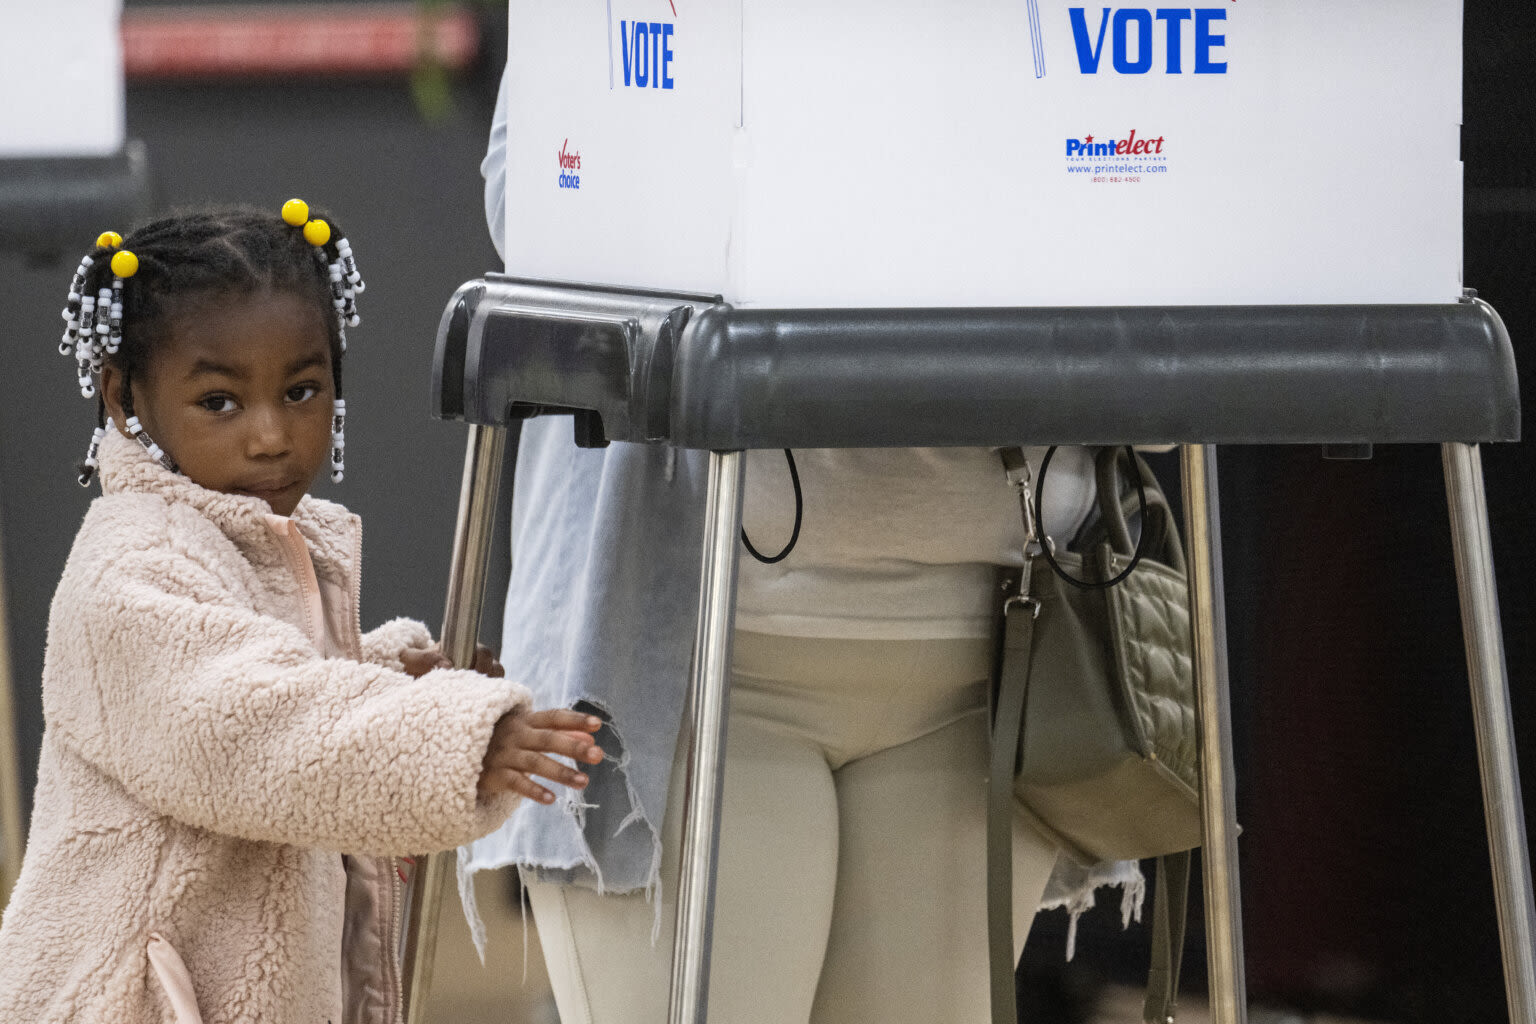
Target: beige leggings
column 852, row 865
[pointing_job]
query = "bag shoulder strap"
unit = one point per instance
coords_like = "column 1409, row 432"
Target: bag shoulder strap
column 1170, row 911
column 1018, row 632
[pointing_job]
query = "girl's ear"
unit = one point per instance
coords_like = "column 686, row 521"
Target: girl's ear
column 111, row 394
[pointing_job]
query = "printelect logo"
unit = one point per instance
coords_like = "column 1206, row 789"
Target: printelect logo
column 570, row 163
column 1115, row 161
column 1128, row 146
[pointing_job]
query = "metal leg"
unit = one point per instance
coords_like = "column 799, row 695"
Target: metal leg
column 10, row 765
column 1502, row 807
column 706, row 742
column 461, row 627
column 1218, row 808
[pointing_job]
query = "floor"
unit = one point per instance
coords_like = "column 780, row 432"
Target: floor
column 508, row 992
column 463, row 992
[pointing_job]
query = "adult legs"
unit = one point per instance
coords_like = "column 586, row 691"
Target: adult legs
column 909, row 926
column 777, row 866
column 897, row 832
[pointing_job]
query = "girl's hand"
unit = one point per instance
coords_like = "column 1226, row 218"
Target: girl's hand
column 418, row 661
column 519, row 747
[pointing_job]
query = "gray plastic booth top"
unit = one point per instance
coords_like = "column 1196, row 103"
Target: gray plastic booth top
column 60, row 204
column 696, row 373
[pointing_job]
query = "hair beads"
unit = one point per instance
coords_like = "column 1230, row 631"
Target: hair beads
column 344, row 250
column 345, row 283
column 87, row 356
column 338, row 440
column 72, row 307
column 88, row 467
column 115, row 335
column 149, row 445
column 93, row 323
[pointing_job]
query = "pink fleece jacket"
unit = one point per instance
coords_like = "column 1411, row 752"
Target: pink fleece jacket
column 204, row 766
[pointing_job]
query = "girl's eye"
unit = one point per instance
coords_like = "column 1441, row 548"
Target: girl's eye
column 218, row 403
column 303, row 392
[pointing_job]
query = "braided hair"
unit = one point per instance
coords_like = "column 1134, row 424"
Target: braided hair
column 128, row 292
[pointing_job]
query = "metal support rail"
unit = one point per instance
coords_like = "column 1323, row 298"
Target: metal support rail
column 708, row 699
column 1218, row 806
column 11, row 844
column 1503, row 810
column 461, row 627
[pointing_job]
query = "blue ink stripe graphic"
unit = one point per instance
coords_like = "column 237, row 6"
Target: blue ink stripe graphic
column 1037, row 41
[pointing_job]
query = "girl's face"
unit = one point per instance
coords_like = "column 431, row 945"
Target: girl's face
column 239, row 393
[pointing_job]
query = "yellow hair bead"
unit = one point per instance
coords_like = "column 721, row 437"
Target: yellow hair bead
column 108, row 240
column 295, row 212
column 317, row 232
column 125, row 264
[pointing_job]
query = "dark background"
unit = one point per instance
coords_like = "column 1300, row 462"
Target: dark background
column 1364, row 866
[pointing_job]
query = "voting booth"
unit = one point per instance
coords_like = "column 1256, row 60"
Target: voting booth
column 66, row 164
column 737, row 225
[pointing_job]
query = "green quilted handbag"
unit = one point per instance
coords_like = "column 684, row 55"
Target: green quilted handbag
column 1094, row 733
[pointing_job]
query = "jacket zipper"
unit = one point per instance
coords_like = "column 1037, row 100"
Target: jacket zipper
column 296, row 554
column 392, row 951
column 357, row 593
column 394, row 925
column 392, row 920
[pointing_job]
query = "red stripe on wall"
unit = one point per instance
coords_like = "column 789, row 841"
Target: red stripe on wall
column 326, row 39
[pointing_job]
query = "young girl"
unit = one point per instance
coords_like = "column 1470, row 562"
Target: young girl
column 220, row 733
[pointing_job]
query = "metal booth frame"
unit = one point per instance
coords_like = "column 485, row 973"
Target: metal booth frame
column 691, row 371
